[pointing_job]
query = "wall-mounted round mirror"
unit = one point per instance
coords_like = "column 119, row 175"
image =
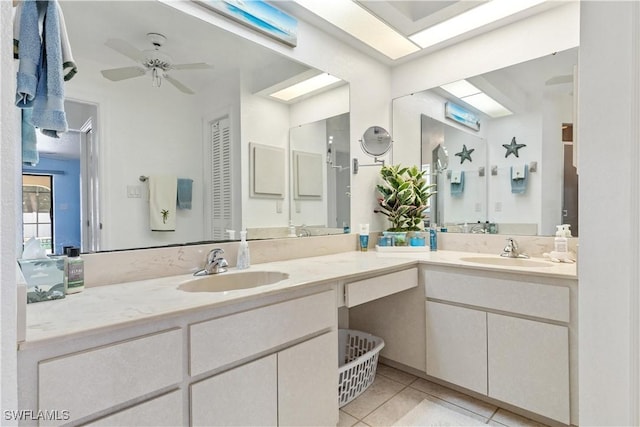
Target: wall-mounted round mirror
column 441, row 159
column 376, row 141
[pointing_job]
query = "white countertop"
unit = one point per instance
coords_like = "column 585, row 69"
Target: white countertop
column 104, row 307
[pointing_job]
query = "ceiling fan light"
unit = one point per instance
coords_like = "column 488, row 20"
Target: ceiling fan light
column 156, row 77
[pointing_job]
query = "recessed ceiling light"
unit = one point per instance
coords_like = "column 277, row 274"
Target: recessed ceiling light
column 461, row 88
column 304, row 87
column 357, row 21
column 477, row 17
column 487, row 105
column 473, row 96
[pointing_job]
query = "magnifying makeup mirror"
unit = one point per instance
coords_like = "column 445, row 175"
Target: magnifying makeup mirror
column 376, row 141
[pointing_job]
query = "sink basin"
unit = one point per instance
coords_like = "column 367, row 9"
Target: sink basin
column 232, row 281
column 506, row 262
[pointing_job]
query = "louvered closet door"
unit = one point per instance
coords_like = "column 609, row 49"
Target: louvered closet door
column 220, row 210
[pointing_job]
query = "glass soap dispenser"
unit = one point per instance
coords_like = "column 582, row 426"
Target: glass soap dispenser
column 243, row 259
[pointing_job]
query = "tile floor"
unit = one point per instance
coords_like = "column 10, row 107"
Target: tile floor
column 394, row 393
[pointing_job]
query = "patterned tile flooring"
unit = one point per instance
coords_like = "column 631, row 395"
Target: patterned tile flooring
column 395, row 393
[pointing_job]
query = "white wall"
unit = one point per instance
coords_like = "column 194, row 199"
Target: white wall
column 514, row 208
column 608, row 267
column 9, row 161
column 143, row 130
column 264, row 122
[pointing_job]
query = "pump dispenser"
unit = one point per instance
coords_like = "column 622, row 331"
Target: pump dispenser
column 560, row 242
column 243, row 252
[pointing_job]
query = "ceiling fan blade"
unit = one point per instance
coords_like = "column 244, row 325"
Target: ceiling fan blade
column 568, row 78
column 117, row 74
column 178, row 85
column 194, row 66
column 125, row 49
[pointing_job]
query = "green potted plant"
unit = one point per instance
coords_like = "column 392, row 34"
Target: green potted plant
column 403, row 197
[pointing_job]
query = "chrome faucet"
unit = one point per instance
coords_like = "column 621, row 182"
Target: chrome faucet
column 304, row 232
column 215, row 264
column 512, row 251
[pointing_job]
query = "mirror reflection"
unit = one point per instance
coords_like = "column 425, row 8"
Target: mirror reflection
column 531, row 183
column 321, row 149
column 145, row 126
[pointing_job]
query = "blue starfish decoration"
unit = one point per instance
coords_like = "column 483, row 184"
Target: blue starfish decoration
column 465, row 154
column 513, row 147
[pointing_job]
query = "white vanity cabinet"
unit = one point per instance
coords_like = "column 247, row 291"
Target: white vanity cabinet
column 264, row 361
column 505, row 336
column 91, row 381
column 293, row 386
column 457, row 345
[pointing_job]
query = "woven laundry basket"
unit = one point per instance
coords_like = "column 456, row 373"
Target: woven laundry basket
column 358, row 352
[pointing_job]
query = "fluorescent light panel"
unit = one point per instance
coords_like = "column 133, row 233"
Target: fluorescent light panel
column 304, row 87
column 461, row 88
column 486, row 104
column 477, row 17
column 357, row 21
column 473, row 96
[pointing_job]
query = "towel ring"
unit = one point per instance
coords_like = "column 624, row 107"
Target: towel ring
column 143, row 178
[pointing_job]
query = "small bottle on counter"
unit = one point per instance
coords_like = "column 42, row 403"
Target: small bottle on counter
column 75, row 271
column 243, row 260
column 433, row 239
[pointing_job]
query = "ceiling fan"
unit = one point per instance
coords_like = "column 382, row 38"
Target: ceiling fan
column 153, row 61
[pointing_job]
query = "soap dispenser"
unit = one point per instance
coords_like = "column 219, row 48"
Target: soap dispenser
column 243, row 252
column 560, row 242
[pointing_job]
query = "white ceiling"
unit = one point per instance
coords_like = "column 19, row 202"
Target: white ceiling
column 91, row 23
column 408, row 17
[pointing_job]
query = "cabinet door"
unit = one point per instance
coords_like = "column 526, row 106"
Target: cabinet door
column 529, row 365
column 244, row 396
column 165, row 410
column 457, row 345
column 308, row 383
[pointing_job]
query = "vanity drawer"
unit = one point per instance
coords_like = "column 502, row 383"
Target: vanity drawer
column 91, row 381
column 225, row 340
column 500, row 293
column 366, row 290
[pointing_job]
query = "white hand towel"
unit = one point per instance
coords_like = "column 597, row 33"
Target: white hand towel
column 162, row 202
column 519, row 172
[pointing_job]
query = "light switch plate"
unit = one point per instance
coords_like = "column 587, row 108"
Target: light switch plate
column 134, row 191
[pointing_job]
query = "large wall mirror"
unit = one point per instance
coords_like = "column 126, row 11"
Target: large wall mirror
column 131, row 125
column 516, row 166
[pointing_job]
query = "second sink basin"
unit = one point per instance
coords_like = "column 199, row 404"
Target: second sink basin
column 506, row 262
column 231, row 281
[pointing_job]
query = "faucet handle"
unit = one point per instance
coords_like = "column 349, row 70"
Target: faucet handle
column 213, row 254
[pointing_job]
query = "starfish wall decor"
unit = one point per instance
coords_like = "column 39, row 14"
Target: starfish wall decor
column 513, row 147
column 465, row 154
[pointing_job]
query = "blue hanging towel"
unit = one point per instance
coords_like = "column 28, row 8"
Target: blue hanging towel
column 519, row 177
column 40, row 80
column 185, row 192
column 29, row 141
column 457, row 183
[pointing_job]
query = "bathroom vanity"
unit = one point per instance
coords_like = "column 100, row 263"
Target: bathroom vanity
column 148, row 352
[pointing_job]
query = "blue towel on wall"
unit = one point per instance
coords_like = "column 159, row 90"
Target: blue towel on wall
column 519, row 177
column 40, row 80
column 185, row 191
column 29, row 141
column 457, row 183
